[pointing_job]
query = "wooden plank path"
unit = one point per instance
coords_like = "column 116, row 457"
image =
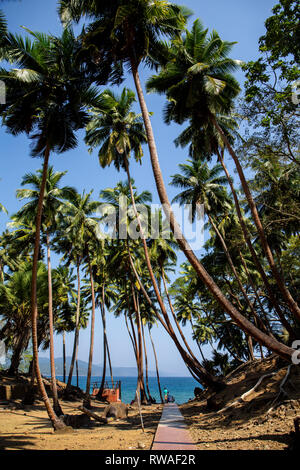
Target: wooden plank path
column 172, row 432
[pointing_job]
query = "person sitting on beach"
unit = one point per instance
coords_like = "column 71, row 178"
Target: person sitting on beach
column 170, row 398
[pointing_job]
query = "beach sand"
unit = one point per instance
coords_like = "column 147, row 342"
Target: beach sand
column 31, row 429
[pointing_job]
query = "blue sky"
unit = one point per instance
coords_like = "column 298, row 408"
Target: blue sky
column 235, row 20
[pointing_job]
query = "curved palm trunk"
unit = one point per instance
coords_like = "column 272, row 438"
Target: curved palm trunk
column 75, row 345
column 87, row 400
column 56, row 405
column 274, row 345
column 284, row 290
column 256, row 260
column 156, row 366
column 203, row 375
column 56, row 423
column 174, row 315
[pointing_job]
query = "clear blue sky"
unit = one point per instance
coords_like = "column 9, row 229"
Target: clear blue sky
column 235, row 20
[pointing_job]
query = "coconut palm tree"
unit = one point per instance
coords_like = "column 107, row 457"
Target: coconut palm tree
column 81, row 230
column 52, row 202
column 47, row 95
column 204, row 185
column 197, row 81
column 64, row 280
column 130, row 33
column 15, row 309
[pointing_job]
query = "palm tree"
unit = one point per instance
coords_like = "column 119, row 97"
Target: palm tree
column 15, row 309
column 80, row 229
column 198, row 83
column 130, row 33
column 205, row 186
column 64, row 280
column 50, row 115
column 53, row 197
column 104, row 295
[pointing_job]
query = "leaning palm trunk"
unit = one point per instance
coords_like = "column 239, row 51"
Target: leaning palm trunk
column 274, row 345
column 174, row 315
column 280, row 282
column 156, row 365
column 56, row 423
column 256, row 260
column 75, row 345
column 56, row 405
column 87, row 400
column 203, row 375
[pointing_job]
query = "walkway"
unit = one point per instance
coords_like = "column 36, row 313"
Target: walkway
column 172, row 432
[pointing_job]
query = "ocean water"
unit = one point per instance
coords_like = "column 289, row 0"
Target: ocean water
column 182, row 388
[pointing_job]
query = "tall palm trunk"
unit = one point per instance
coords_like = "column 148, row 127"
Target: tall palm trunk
column 56, row 405
column 207, row 378
column 57, row 424
column 256, row 260
column 146, row 362
column 101, row 388
column 87, row 400
column 105, row 333
column 156, row 365
column 76, row 335
column 264, row 242
column 277, row 347
column 77, row 372
column 140, row 383
column 64, row 356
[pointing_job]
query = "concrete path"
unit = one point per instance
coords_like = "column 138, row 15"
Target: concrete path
column 172, row 432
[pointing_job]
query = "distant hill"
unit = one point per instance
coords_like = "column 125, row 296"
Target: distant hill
column 83, row 367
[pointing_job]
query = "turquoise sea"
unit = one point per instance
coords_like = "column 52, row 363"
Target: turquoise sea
column 182, row 388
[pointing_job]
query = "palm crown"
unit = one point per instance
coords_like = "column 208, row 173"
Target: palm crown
column 48, row 91
column 197, row 78
column 116, row 129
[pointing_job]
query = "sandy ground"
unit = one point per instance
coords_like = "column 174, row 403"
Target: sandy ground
column 31, row 429
column 220, row 433
column 249, row 425
column 261, row 421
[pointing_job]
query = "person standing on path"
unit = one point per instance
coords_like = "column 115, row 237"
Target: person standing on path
column 165, row 391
